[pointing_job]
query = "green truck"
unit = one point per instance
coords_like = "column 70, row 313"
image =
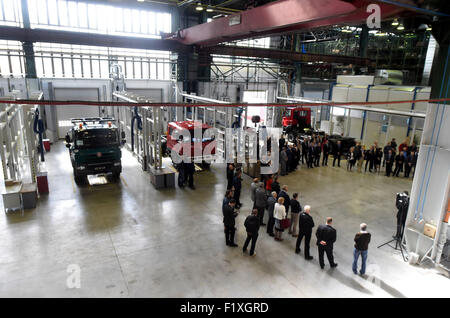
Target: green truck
column 94, row 147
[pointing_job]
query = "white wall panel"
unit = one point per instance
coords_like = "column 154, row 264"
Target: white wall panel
column 396, row 95
column 355, row 79
column 340, row 93
column 65, row 113
column 357, row 94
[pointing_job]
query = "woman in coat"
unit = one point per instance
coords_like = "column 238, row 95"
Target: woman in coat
column 279, row 213
column 351, row 159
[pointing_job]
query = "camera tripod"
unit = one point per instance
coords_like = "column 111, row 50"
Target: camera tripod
column 398, row 246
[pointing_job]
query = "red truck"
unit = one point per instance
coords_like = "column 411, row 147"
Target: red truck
column 205, row 142
column 295, row 120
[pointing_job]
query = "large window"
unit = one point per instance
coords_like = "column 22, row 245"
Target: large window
column 78, row 61
column 10, row 12
column 11, row 59
column 97, row 18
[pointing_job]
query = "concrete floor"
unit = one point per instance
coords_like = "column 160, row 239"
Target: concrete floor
column 131, row 240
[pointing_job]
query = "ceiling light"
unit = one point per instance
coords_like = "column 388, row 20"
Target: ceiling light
column 209, row 9
column 429, row 28
column 400, row 27
column 140, row 0
column 395, row 22
column 199, row 7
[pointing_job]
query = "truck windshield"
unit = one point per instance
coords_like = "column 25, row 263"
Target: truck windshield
column 204, row 137
column 96, row 138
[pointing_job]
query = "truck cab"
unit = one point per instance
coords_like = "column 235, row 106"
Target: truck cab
column 296, row 120
column 203, row 143
column 94, row 147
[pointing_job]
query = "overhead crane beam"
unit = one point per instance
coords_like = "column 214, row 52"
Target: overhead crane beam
column 283, row 16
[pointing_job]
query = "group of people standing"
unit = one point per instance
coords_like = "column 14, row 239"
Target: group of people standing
column 277, row 201
column 311, row 149
column 308, row 150
column 375, row 158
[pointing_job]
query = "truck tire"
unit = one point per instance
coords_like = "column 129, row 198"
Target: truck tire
column 291, row 136
column 78, row 179
column 116, row 176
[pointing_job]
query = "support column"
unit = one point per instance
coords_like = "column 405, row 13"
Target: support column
column 363, row 41
column 430, row 190
column 30, row 64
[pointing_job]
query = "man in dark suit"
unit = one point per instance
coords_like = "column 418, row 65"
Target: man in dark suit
column 408, row 164
column 270, row 207
column 311, row 149
column 389, row 160
column 305, row 147
column 276, row 185
column 230, row 176
column 287, row 200
column 326, row 236
column 337, row 153
column 252, row 227
column 281, row 142
column 189, row 169
column 386, row 151
column 399, row 160
column 306, row 225
column 237, row 184
column 290, row 159
column 229, row 215
column 228, row 196
column 317, row 152
column 325, row 150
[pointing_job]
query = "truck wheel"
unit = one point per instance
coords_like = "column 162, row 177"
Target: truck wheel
column 116, row 176
column 78, row 179
column 291, row 137
column 205, row 165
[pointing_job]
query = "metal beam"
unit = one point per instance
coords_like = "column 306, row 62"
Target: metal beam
column 280, row 17
column 356, row 107
column 80, row 38
column 283, row 55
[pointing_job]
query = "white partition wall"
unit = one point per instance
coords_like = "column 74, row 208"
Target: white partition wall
column 370, row 127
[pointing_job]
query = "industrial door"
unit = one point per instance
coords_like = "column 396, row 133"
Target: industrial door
column 65, row 113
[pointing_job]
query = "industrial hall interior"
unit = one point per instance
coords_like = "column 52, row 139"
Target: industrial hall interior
column 225, row 148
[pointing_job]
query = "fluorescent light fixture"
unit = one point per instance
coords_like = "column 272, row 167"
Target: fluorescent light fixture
column 395, row 22
column 429, row 28
column 209, row 9
column 140, row 0
column 199, row 7
column 400, row 27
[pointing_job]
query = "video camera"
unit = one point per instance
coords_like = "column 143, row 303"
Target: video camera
column 402, row 201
